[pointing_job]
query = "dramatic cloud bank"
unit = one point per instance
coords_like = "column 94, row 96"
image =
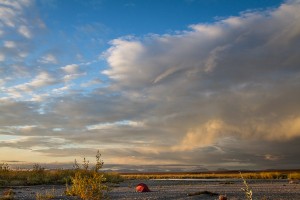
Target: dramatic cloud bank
column 224, row 94
column 237, row 78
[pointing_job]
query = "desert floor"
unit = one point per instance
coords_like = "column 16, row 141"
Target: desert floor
column 178, row 189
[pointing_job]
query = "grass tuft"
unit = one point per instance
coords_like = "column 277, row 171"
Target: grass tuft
column 247, row 190
column 8, row 195
column 46, row 196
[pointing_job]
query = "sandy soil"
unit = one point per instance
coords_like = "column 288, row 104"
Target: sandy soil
column 178, row 189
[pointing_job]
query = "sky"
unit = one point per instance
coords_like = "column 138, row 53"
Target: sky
column 176, row 84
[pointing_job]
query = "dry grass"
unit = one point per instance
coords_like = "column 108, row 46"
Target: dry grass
column 45, row 196
column 214, row 175
column 8, row 195
column 294, row 175
column 247, row 190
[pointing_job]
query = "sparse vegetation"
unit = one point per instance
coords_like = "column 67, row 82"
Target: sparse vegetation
column 213, row 175
column 4, row 167
column 247, row 190
column 294, row 175
column 8, row 195
column 46, row 196
column 39, row 175
column 88, row 184
column 34, row 177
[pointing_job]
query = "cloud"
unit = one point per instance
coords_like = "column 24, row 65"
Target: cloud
column 24, row 31
column 92, row 82
column 222, row 94
column 202, row 136
column 115, row 125
column 13, row 17
column 71, row 69
column 229, row 79
column 9, row 44
column 2, row 57
column 18, row 28
column 30, row 88
column 48, row 59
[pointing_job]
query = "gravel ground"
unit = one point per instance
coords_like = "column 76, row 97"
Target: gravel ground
column 175, row 189
column 178, row 189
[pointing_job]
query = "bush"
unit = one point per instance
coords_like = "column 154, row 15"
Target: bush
column 87, row 185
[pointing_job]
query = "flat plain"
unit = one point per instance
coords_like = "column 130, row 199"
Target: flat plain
column 271, row 189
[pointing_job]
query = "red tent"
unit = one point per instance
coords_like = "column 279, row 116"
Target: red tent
column 142, row 187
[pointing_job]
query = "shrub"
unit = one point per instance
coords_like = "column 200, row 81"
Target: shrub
column 4, row 167
column 87, row 185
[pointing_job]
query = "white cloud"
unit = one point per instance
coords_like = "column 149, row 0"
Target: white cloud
column 61, row 90
column 10, row 44
column 11, row 11
column 17, row 28
column 116, row 124
column 43, row 79
column 25, row 31
column 7, row 15
column 48, row 59
column 124, row 53
column 71, row 69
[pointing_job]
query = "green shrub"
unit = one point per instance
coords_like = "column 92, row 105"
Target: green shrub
column 87, row 185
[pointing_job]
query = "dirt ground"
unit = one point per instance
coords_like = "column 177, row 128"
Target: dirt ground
column 176, row 189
